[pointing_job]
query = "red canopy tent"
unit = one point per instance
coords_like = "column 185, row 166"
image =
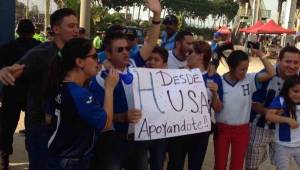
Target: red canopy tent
column 256, row 25
column 271, row 28
column 224, row 30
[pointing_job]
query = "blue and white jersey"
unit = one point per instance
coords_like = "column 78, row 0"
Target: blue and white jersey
column 284, row 135
column 237, row 99
column 123, row 95
column 268, row 91
column 168, row 44
column 79, row 118
column 174, row 63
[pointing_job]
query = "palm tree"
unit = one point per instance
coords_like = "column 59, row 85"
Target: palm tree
column 60, row 3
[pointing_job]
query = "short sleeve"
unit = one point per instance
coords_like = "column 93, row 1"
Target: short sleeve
column 276, row 103
column 254, row 85
column 218, row 80
column 89, row 109
column 138, row 59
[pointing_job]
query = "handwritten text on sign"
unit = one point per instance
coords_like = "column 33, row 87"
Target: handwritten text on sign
column 173, row 103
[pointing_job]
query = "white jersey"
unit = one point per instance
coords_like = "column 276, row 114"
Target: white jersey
column 174, row 63
column 237, row 99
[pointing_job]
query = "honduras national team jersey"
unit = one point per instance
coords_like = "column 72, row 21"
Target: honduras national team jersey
column 78, row 117
column 123, row 95
column 237, row 100
column 269, row 90
column 284, row 134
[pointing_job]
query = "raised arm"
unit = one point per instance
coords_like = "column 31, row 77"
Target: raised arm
column 153, row 33
column 270, row 69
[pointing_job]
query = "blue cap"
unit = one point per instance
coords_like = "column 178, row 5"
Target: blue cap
column 217, row 34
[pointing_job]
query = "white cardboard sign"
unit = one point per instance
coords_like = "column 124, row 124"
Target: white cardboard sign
column 173, row 103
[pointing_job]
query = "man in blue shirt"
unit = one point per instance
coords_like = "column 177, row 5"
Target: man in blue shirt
column 116, row 148
column 171, row 28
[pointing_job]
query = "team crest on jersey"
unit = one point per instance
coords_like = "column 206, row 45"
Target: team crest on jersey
column 246, row 89
column 90, row 100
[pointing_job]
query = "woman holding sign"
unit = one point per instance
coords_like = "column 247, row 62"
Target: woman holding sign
column 233, row 120
column 195, row 145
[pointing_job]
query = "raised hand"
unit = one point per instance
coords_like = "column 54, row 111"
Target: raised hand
column 154, row 6
column 293, row 123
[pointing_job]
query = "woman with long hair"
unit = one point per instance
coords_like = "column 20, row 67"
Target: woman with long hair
column 285, row 112
column 77, row 116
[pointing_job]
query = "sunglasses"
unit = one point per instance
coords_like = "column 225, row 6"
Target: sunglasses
column 94, row 57
column 121, row 49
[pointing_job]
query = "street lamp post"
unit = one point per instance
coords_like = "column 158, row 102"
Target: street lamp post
column 85, row 15
column 47, row 16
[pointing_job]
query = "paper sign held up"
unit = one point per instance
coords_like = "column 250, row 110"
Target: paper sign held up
column 173, row 102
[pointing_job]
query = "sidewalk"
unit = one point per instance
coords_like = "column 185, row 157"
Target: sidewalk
column 19, row 158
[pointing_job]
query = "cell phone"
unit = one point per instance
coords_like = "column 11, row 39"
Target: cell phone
column 253, row 45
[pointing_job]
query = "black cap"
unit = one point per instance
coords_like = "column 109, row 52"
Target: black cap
column 131, row 32
column 114, row 28
column 170, row 19
column 25, row 26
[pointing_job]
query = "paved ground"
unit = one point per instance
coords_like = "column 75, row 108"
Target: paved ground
column 19, row 158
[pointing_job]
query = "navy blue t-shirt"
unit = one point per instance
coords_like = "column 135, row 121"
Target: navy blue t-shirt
column 78, row 119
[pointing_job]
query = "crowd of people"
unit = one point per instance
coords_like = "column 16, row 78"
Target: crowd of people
column 78, row 100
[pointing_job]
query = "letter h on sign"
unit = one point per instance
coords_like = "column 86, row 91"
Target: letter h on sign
column 246, row 90
column 149, row 89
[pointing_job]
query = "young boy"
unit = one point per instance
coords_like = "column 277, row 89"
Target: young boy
column 157, row 148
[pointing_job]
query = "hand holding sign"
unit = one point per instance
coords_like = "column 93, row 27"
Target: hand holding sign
column 134, row 115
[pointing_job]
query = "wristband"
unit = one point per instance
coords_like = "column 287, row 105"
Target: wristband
column 156, row 22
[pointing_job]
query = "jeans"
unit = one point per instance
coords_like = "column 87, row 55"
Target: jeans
column 36, row 142
column 113, row 152
column 194, row 146
column 157, row 150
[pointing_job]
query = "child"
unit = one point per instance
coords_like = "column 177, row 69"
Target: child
column 285, row 112
column 157, row 148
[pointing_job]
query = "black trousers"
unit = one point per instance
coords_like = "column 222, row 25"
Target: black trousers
column 113, row 152
column 12, row 104
column 194, row 146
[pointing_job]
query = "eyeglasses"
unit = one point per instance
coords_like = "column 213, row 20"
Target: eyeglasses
column 94, row 57
column 121, row 49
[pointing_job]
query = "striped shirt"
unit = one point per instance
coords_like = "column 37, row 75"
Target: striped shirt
column 284, row 135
